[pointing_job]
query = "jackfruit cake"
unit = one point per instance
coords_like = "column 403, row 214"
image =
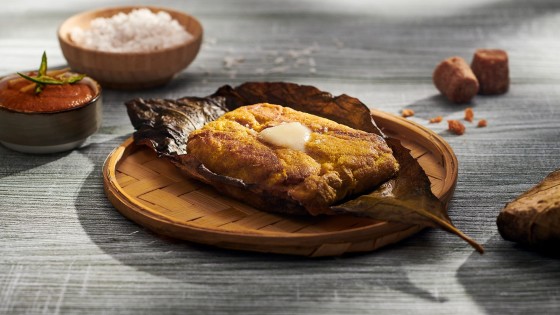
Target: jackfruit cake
column 282, row 160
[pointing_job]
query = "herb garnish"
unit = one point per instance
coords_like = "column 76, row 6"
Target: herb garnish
column 43, row 79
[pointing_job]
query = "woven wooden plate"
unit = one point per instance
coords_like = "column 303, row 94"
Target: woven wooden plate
column 152, row 193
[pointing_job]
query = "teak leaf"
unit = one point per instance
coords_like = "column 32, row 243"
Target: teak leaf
column 343, row 109
column 407, row 198
column 164, row 125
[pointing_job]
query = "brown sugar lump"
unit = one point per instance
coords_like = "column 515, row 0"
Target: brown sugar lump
column 435, row 120
column 407, row 112
column 469, row 114
column 492, row 71
column 454, row 78
column 456, row 127
column 482, row 123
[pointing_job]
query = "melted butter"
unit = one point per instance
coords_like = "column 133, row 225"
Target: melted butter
column 290, row 135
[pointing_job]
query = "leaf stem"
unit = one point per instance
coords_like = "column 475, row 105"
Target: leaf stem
column 452, row 229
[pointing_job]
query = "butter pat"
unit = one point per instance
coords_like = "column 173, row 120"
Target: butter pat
column 292, row 135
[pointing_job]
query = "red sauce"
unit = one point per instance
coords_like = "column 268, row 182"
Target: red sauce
column 53, row 97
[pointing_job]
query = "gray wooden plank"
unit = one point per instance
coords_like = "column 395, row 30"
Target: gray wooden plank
column 65, row 249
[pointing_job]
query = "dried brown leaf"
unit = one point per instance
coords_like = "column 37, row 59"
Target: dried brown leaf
column 342, row 109
column 163, row 125
column 407, row 198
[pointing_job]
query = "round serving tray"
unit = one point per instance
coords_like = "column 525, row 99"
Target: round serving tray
column 153, row 193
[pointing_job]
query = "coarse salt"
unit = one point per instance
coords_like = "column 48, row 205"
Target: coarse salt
column 141, row 30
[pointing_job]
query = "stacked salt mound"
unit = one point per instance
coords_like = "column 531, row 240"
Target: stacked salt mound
column 140, row 30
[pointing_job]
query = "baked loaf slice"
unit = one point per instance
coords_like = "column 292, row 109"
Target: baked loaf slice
column 334, row 161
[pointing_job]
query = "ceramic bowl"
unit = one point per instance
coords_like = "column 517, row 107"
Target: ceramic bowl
column 121, row 70
column 49, row 132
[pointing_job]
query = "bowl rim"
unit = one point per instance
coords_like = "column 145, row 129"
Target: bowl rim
column 64, row 38
column 95, row 98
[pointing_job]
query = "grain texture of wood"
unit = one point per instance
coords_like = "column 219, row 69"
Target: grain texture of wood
column 64, row 249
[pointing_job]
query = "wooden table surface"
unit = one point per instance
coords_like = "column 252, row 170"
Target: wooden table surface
column 65, row 249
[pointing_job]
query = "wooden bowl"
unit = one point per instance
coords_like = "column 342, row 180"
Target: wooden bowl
column 129, row 70
column 49, row 132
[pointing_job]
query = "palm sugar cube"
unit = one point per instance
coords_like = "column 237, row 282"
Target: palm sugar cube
column 454, row 78
column 492, row 71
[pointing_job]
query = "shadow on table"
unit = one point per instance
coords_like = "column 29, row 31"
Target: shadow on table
column 222, row 271
column 17, row 162
column 437, row 103
column 511, row 279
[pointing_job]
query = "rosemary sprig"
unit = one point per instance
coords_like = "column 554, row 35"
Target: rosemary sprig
column 42, row 79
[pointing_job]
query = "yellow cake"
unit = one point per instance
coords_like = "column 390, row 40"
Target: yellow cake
column 279, row 159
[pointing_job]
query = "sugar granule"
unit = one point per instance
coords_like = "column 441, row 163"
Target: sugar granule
column 141, row 30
